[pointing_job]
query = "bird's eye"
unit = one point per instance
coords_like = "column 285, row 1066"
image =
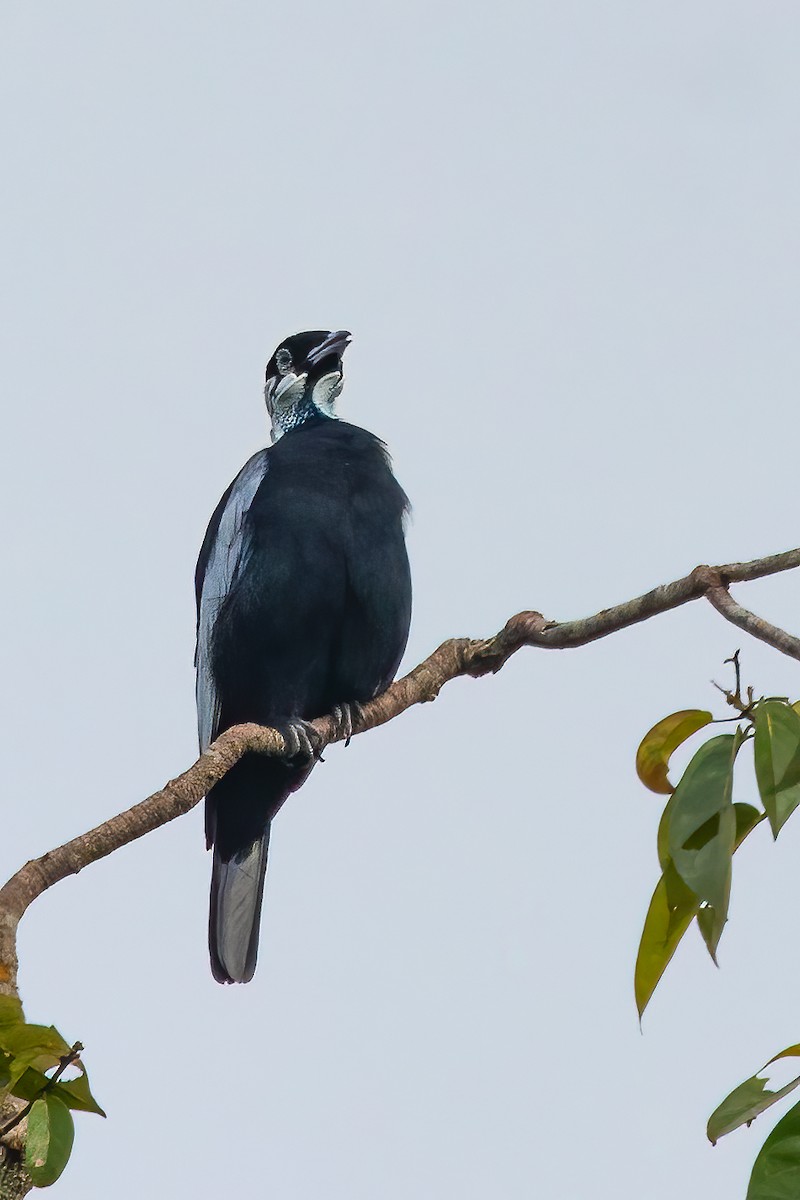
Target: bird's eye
column 283, row 361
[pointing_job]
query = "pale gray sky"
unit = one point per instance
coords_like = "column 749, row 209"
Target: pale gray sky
column 566, row 240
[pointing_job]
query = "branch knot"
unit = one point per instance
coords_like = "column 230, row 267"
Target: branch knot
column 707, row 578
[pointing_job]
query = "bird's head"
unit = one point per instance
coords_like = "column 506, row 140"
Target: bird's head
column 304, row 378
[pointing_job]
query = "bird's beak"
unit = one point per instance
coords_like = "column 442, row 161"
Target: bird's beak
column 335, row 343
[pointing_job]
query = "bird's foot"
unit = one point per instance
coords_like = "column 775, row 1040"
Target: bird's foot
column 302, row 740
column 346, row 717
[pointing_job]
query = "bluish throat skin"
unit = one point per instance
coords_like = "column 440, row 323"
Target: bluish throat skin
column 303, row 604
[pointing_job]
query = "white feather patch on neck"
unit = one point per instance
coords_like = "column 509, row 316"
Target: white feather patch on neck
column 291, row 405
column 326, row 392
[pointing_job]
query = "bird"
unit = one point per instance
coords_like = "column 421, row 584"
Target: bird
column 303, row 592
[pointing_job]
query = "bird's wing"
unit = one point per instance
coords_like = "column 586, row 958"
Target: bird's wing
column 221, row 556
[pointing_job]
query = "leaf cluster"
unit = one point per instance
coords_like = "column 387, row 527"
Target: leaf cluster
column 700, row 830
column 27, row 1054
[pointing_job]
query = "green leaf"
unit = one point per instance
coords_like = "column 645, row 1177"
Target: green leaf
column 776, row 1171
column 710, row 921
column 747, row 817
column 10, row 1011
column 702, row 823
column 5, row 1073
column 777, row 759
column 710, row 925
column 662, row 838
column 748, row 1100
column 670, row 914
column 39, row 1046
column 30, row 1085
column 657, row 746
column 51, row 1132
column 16, row 1039
column 23, row 1063
column 668, row 917
column 75, row 1093
column 743, row 1105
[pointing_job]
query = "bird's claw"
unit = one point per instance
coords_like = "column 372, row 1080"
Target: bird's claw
column 343, row 715
column 302, row 740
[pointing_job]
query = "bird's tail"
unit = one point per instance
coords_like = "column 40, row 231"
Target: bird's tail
column 237, row 886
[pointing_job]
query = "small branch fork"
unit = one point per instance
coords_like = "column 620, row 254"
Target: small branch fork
column 454, row 658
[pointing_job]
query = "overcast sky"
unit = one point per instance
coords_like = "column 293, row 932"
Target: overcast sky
column 566, row 239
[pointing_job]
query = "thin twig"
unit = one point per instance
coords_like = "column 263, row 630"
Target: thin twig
column 744, row 708
column 737, row 667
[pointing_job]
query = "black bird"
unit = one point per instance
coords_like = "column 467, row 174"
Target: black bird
column 303, row 608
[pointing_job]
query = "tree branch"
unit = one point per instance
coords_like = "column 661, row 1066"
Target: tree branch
column 459, row 656
column 724, row 603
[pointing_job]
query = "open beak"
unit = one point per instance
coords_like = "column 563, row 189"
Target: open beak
column 335, row 343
